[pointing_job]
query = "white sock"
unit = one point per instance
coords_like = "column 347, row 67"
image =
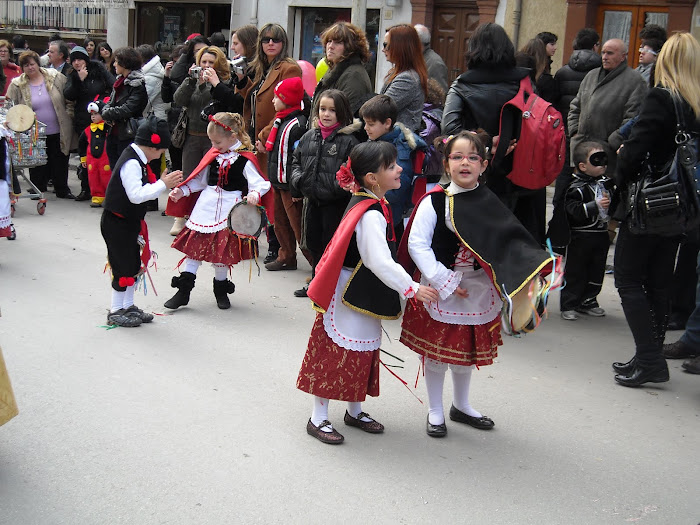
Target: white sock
column 461, row 378
column 434, row 381
column 117, row 301
column 220, row 271
column 129, row 296
column 354, row 409
column 320, row 413
column 192, row 266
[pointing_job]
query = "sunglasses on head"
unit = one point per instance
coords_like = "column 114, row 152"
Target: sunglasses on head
column 599, row 158
column 267, row 39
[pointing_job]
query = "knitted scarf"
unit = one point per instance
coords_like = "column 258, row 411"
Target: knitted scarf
column 279, row 117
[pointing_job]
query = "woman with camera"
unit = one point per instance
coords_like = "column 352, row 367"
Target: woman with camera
column 195, row 93
column 644, row 262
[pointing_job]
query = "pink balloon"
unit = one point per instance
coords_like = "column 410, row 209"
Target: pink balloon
column 308, row 76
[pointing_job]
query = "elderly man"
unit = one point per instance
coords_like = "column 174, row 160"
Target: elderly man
column 608, row 97
column 435, row 64
column 58, row 56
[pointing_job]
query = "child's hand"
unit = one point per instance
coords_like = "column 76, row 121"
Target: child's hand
column 461, row 292
column 427, row 294
column 176, row 194
column 252, row 198
column 259, row 146
column 172, row 179
column 605, row 202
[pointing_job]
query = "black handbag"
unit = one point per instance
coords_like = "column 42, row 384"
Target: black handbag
column 179, row 133
column 132, row 126
column 664, row 200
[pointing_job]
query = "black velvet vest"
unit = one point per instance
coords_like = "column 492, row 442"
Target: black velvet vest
column 116, row 199
column 365, row 292
column 234, row 179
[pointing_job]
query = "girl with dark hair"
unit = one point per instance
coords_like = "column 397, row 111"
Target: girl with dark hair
column 106, row 56
column 459, row 238
column 91, row 48
column 127, row 101
column 356, row 286
column 407, row 80
column 347, row 51
column 317, row 158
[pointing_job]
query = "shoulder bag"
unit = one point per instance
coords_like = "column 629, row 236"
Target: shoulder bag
column 664, row 200
column 179, row 133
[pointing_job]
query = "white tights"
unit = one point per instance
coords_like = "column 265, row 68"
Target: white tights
column 220, row 270
column 434, row 382
column 122, row 299
column 320, row 412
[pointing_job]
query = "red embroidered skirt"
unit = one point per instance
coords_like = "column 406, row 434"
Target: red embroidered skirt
column 331, row 371
column 456, row 344
column 222, row 247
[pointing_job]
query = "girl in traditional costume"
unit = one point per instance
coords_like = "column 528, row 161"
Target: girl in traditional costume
column 225, row 175
column 6, row 229
column 471, row 249
column 357, row 284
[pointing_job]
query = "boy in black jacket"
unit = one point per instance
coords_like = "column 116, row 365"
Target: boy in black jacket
column 586, row 204
column 288, row 127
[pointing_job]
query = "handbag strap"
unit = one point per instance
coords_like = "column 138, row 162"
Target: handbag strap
column 682, row 136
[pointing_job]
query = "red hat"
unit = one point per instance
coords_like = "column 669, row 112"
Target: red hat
column 192, row 36
column 290, row 91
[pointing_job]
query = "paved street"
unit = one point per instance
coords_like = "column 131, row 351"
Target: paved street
column 195, row 418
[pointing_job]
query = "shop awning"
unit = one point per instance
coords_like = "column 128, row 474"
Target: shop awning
column 118, row 4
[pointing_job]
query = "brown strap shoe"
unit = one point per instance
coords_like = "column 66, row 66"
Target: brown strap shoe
column 371, row 426
column 332, row 438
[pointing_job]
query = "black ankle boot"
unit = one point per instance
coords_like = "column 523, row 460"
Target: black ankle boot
column 221, row 291
column 624, row 368
column 184, row 284
column 655, row 373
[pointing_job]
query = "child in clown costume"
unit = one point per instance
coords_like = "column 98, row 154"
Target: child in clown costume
column 92, row 147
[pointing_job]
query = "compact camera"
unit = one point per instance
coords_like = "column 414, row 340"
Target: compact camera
column 196, row 72
column 238, row 65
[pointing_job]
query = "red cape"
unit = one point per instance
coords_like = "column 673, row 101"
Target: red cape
column 328, row 268
column 185, row 205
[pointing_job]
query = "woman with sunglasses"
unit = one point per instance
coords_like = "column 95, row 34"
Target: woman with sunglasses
column 407, row 80
column 271, row 64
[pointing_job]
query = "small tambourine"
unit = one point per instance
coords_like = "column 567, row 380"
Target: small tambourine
column 524, row 313
column 20, row 118
column 246, row 220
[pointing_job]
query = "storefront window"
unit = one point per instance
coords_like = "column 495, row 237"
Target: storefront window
column 316, row 19
column 166, row 26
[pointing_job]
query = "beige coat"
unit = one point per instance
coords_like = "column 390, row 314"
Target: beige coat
column 20, row 93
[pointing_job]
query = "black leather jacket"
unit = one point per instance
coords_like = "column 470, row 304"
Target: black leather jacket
column 476, row 97
column 131, row 102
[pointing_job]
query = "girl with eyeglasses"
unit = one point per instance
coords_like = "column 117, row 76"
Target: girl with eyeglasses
column 459, row 239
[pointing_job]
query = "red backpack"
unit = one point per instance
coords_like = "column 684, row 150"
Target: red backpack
column 540, row 151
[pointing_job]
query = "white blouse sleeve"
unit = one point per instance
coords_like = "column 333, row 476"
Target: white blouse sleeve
column 376, row 256
column 196, row 184
column 131, row 176
column 255, row 180
column 444, row 280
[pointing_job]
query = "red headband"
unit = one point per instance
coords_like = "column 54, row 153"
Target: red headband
column 219, row 123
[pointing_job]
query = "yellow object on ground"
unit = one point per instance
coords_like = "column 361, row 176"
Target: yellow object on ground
column 8, row 405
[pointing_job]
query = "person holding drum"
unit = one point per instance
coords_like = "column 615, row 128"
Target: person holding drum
column 224, row 176
column 357, row 284
column 463, row 328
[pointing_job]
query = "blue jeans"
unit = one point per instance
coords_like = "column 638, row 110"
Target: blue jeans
column 691, row 337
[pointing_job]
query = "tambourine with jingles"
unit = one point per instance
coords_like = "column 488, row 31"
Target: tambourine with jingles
column 246, row 220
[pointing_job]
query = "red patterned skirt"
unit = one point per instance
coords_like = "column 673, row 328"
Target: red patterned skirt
column 222, row 247
column 331, row 371
column 456, row 344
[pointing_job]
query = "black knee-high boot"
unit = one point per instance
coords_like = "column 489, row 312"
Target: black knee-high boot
column 184, row 284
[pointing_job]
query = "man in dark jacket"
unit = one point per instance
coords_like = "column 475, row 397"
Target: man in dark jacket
column 433, row 62
column 568, row 79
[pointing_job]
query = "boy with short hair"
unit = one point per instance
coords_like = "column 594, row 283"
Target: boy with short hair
column 586, row 204
column 124, row 209
column 380, row 113
column 282, row 136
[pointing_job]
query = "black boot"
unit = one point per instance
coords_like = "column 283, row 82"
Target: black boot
column 221, row 291
column 645, row 373
column 624, row 368
column 184, row 284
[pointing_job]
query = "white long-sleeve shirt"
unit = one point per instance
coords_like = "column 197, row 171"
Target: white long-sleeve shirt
column 132, row 175
column 483, row 303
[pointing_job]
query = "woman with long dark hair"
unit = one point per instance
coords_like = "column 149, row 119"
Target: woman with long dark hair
column 644, row 263
column 106, row 56
column 407, row 80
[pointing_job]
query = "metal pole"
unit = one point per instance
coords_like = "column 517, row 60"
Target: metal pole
column 359, row 14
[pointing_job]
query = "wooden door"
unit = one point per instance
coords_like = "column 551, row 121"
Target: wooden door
column 625, row 22
column 452, row 27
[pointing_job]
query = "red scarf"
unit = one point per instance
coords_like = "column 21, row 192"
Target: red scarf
column 118, row 85
column 327, row 130
column 279, row 117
